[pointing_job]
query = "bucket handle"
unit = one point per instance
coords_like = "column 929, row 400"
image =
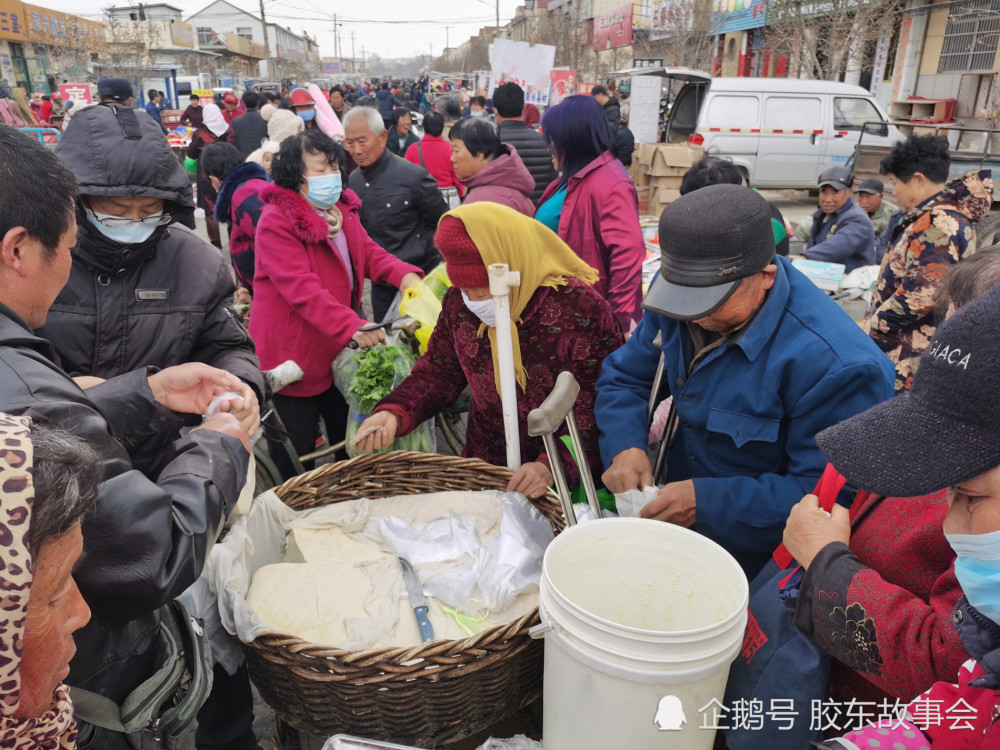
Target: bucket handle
column 539, row 631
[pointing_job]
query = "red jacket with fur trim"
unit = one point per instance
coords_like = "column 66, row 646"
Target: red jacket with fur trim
column 306, row 306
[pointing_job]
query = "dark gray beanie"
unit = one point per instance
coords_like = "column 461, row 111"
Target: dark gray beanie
column 946, row 429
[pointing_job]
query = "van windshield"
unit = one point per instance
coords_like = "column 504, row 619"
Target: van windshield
column 684, row 114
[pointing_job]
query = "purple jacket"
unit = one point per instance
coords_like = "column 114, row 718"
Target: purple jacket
column 504, row 180
column 600, row 221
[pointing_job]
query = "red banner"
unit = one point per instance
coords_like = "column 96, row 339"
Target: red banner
column 613, row 29
column 563, row 85
column 78, row 92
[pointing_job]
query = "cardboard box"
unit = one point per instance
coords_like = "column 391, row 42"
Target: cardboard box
column 660, row 198
column 671, row 182
column 668, row 160
column 638, row 175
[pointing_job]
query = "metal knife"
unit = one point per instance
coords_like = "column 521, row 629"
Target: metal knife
column 417, row 600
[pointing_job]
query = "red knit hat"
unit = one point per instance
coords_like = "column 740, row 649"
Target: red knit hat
column 461, row 256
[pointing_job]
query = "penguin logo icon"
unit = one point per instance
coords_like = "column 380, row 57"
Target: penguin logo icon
column 670, row 714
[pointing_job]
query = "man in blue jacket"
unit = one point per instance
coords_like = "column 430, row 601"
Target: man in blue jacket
column 153, row 108
column 841, row 230
column 757, row 359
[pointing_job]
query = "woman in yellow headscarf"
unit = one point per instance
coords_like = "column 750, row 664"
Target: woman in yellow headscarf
column 558, row 323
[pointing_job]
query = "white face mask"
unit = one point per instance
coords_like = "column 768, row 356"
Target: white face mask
column 482, row 309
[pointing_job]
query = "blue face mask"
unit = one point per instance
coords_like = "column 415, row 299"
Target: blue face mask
column 480, row 113
column 307, row 114
column 134, row 233
column 324, row 190
column 978, row 570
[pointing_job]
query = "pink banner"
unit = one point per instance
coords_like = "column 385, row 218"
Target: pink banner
column 613, row 29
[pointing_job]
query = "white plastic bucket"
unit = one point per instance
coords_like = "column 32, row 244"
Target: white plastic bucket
column 641, row 620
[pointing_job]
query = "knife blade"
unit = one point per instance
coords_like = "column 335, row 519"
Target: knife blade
column 417, row 599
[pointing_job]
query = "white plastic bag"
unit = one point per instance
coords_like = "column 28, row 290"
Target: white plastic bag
column 520, row 742
column 630, row 503
column 457, row 568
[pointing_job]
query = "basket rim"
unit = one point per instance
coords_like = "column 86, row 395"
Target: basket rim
column 288, row 642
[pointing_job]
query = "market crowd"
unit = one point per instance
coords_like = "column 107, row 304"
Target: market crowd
column 131, row 387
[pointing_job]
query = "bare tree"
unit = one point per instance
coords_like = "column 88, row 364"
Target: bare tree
column 128, row 51
column 829, row 37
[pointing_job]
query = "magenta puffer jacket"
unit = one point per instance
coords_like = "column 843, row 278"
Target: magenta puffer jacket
column 600, row 221
column 306, row 306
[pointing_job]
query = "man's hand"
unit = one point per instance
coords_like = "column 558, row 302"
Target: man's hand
column 246, row 410
column 377, row 439
column 227, row 424
column 531, row 480
column 629, row 470
column 368, row 339
column 809, row 529
column 675, row 504
column 408, row 280
column 190, row 388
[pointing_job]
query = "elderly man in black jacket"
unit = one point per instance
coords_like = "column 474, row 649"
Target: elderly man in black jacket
column 144, row 291
column 400, row 201
column 508, row 109
column 147, row 540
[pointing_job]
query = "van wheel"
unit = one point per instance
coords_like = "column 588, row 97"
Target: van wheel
column 745, row 175
column 986, row 228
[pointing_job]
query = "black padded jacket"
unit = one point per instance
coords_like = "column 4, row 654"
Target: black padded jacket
column 534, row 152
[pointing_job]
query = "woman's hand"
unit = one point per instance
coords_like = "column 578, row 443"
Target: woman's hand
column 810, row 528
column 242, row 296
column 531, row 480
column 408, row 280
column 376, row 432
column 368, row 339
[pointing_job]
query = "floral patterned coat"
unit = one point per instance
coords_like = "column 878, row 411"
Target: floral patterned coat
column 882, row 609
column 568, row 328
column 922, row 247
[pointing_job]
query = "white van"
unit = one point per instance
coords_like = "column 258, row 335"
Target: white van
column 779, row 132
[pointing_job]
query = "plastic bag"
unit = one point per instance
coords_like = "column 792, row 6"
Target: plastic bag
column 631, row 502
column 490, row 576
column 345, row 371
column 438, row 281
column 519, row 742
column 420, row 303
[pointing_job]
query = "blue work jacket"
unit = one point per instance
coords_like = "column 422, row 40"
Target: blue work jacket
column 846, row 237
column 750, row 411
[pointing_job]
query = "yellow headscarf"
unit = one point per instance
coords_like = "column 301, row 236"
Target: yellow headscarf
column 503, row 235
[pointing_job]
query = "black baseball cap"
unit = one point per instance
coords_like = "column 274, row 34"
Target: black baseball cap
column 710, row 240
column 873, row 186
column 114, row 88
column 945, row 429
column 838, row 177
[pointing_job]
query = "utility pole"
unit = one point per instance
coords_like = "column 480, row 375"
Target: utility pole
column 336, row 50
column 498, row 16
column 353, row 63
column 364, row 63
column 271, row 73
column 447, row 42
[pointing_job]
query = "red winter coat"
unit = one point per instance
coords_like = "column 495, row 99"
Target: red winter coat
column 894, row 589
column 600, row 221
column 305, row 307
column 504, row 180
column 436, row 153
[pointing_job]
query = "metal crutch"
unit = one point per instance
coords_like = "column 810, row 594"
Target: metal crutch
column 544, row 422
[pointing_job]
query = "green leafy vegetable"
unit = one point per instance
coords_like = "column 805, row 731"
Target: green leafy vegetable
column 374, row 377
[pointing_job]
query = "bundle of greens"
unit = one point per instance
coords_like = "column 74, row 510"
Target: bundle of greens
column 375, row 375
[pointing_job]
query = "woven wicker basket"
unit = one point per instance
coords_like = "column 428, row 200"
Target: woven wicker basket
column 438, row 692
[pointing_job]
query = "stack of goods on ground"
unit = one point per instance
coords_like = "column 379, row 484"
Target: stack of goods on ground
column 657, row 170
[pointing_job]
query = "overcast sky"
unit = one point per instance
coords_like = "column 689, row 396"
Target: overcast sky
column 391, row 28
